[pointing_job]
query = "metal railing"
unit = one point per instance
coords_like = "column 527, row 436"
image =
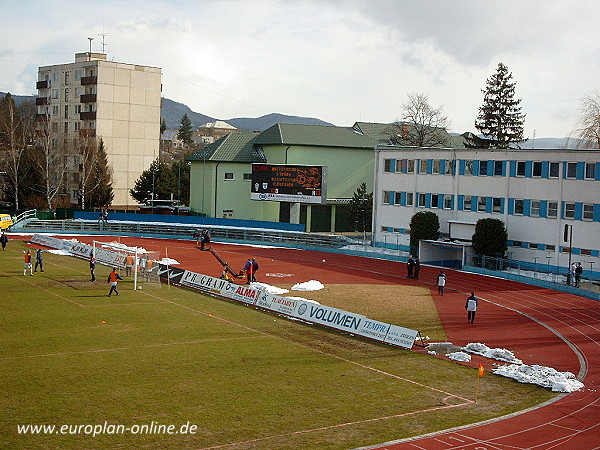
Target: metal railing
column 279, row 237
column 538, row 274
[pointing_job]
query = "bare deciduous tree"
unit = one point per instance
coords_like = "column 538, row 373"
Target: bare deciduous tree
column 51, row 159
column 16, row 133
column 422, row 125
column 589, row 121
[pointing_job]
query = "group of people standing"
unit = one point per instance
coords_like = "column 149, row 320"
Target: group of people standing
column 202, row 238
column 250, row 269
column 575, row 272
column 413, row 266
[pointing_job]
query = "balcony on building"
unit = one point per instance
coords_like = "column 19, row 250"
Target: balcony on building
column 41, row 117
column 41, row 101
column 85, row 81
column 45, row 84
column 87, row 132
column 87, row 98
column 88, row 115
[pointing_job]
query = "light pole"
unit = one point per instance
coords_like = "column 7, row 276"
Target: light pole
column 548, row 258
column 568, row 237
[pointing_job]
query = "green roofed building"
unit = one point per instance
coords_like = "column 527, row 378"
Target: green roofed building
column 221, row 173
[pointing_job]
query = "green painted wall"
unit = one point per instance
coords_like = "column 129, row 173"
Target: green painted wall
column 346, row 170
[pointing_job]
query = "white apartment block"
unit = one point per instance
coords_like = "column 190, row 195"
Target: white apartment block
column 117, row 102
column 534, row 192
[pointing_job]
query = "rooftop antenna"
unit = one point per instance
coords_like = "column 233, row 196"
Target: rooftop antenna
column 90, row 53
column 103, row 36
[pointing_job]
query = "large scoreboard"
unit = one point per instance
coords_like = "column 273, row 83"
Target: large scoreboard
column 289, row 183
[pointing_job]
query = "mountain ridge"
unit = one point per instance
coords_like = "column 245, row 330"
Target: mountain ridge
column 173, row 111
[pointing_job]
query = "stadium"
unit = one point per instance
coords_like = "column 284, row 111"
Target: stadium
column 171, row 366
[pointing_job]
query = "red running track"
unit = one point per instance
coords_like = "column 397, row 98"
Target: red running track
column 539, row 325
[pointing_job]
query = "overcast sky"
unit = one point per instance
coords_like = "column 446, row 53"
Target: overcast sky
column 338, row 60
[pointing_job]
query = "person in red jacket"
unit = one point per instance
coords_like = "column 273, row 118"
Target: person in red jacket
column 27, row 264
column 113, row 279
column 248, row 270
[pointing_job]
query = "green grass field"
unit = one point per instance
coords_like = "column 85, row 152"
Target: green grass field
column 72, row 356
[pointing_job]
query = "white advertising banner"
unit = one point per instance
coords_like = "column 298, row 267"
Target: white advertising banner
column 52, row 242
column 403, row 337
column 331, row 317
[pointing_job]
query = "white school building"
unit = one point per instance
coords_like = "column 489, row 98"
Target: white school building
column 534, row 192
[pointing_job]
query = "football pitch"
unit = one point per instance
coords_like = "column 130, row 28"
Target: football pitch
column 172, row 368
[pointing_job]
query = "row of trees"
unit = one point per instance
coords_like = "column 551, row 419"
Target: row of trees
column 39, row 169
column 499, row 120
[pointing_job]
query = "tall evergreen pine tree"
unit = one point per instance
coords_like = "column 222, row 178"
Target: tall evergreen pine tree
column 500, row 119
column 185, row 131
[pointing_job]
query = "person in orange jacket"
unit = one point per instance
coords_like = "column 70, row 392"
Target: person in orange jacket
column 113, row 279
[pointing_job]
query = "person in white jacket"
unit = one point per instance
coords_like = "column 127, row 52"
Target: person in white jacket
column 441, row 282
column 471, row 307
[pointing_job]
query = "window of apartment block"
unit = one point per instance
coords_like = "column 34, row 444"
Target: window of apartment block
column 54, row 93
column 78, row 92
column 66, row 94
column 521, row 168
column 534, row 210
column 449, row 167
column 519, row 207
column 66, row 128
column 55, row 127
column 229, row 176
column 588, row 211
column 552, row 212
column 55, row 77
column 498, row 168
column 447, row 201
column 569, row 210
column 572, row 170
column 67, row 77
column 66, row 111
column 398, row 198
column 435, row 200
column 76, row 126
column 77, row 109
column 481, row 204
column 410, row 200
column 590, row 171
column 537, row 169
column 469, row 167
column 421, row 201
column 423, row 166
column 77, row 75
column 554, row 170
column 248, row 176
column 497, row 205
column 436, row 166
column 387, row 165
column 483, row 168
column 55, row 110
column 386, row 197
column 467, row 203
column 54, row 143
